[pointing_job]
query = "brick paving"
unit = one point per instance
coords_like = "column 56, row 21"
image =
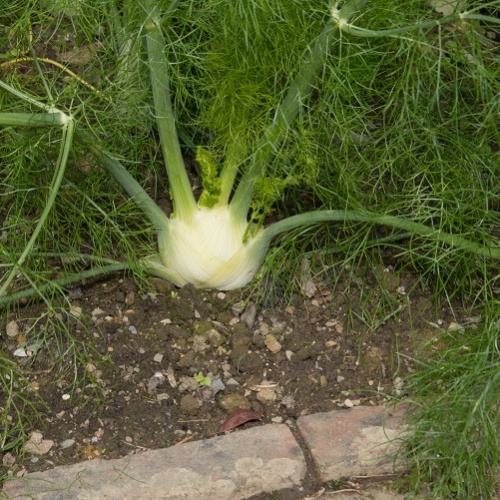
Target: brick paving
column 352, row 442
column 235, row 466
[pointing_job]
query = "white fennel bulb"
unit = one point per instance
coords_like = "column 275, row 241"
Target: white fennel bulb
column 209, row 251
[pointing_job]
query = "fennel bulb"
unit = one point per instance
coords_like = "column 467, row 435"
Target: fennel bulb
column 209, row 252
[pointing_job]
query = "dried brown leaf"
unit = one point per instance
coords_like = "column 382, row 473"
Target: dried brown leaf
column 239, row 417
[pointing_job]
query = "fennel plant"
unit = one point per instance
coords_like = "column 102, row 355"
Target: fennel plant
column 258, row 142
column 380, row 116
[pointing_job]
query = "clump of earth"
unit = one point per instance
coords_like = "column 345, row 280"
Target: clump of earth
column 180, row 361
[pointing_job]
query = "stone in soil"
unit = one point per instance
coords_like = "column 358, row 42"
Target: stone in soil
column 230, row 467
column 353, row 442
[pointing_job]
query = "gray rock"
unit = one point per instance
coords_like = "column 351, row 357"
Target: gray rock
column 248, row 316
column 230, row 467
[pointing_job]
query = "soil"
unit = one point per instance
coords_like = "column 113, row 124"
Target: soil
column 180, row 361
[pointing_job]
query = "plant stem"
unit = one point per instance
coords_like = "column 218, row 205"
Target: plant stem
column 27, row 98
column 310, row 218
column 180, row 187
column 68, row 131
column 33, row 119
column 91, row 273
column 346, row 27
column 125, row 179
column 234, row 158
column 287, row 111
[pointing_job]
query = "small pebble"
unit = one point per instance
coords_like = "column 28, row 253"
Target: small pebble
column 266, row 396
column 157, row 379
column 67, row 443
column 8, row 459
column 272, row 344
column 232, row 402
column 130, row 299
column 76, row 311
column 248, row 316
column 455, row 327
column 38, row 448
column 158, row 357
column 288, row 401
column 12, row 329
column 238, row 307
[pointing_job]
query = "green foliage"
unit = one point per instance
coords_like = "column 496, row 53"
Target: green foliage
column 18, row 411
column 404, row 125
column 454, row 442
column 209, row 175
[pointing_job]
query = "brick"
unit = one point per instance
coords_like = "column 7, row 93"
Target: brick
column 353, row 442
column 234, row 466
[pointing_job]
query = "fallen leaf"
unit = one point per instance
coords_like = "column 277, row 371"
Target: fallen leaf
column 239, row 417
column 447, row 7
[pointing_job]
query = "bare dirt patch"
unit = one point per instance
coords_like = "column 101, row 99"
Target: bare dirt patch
column 181, row 361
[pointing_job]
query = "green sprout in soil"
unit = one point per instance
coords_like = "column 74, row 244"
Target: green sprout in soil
column 202, row 379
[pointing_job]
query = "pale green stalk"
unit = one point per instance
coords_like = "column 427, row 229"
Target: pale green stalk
column 68, row 129
column 27, row 98
column 180, row 187
column 343, row 23
column 126, row 180
column 65, row 281
column 324, row 216
column 32, row 119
